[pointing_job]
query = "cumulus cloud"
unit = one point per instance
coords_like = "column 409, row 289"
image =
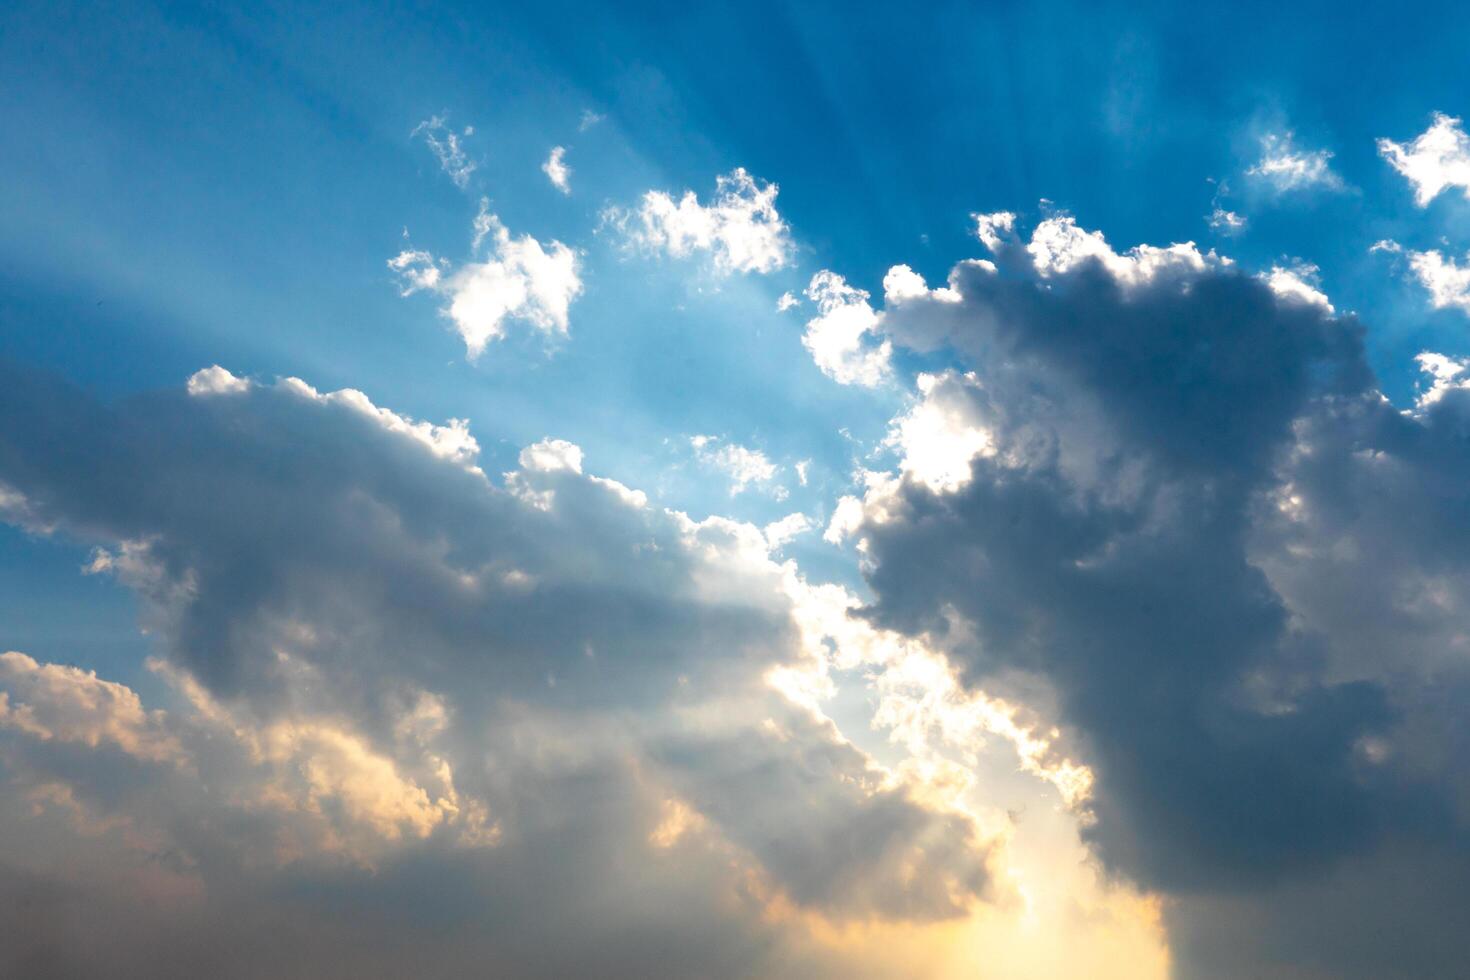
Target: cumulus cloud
column 740, row 229
column 394, row 682
column 1165, row 495
column 1284, row 167
column 1436, row 159
column 556, row 170
column 520, row 280
column 448, row 148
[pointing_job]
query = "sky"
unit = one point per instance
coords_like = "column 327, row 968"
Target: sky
column 823, row 490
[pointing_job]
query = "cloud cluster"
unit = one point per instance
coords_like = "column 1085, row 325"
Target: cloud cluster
column 530, row 714
column 1168, row 493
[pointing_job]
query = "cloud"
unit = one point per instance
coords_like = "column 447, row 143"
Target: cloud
column 842, row 336
column 1436, row 159
column 415, row 717
column 66, row 704
column 1285, row 168
column 787, row 301
column 588, row 120
column 520, row 280
column 1226, row 222
column 1165, row 497
column 740, row 229
column 1447, row 282
column 742, row 465
column 448, row 149
column 1298, row 284
column 557, row 171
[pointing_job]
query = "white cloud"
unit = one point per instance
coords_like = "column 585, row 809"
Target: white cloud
column 787, row 301
column 557, row 171
column 994, row 228
column 778, row 533
column 1447, row 281
column 447, row 148
column 841, row 336
column 739, row 229
column 215, row 380
column 1446, row 374
column 1058, row 245
column 451, row 441
column 551, row 455
column 588, row 120
column 1286, row 168
column 1226, row 222
column 941, row 433
column 1436, row 159
column 743, row 466
column 521, row 280
column 1298, row 283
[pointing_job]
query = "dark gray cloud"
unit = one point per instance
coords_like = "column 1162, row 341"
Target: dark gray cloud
column 423, row 719
column 1242, row 572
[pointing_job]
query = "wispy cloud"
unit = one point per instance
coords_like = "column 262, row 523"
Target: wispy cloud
column 448, row 148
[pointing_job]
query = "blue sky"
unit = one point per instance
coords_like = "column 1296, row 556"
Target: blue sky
column 189, row 186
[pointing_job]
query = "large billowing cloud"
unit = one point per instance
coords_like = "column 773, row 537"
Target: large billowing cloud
column 1168, row 493
column 416, row 719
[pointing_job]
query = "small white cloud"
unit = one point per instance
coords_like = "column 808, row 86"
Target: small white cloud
column 1448, row 282
column 557, row 171
column 1286, row 168
column 802, row 468
column 215, row 380
column 740, row 228
column 447, row 148
column 787, row 301
column 552, row 455
column 1226, row 222
column 743, row 466
column 522, row 279
column 1437, row 158
column 588, row 120
column 836, row 335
